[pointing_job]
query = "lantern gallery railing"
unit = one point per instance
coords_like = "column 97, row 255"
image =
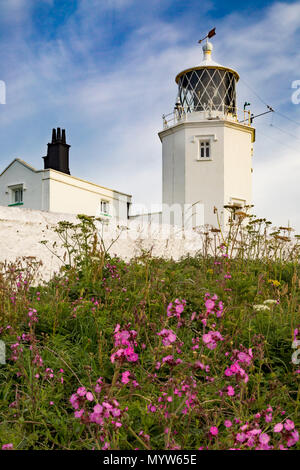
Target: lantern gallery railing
column 183, row 114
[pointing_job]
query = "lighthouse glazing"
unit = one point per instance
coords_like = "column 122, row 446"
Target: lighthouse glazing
column 206, row 145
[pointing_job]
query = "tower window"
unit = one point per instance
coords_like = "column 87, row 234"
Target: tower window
column 204, row 149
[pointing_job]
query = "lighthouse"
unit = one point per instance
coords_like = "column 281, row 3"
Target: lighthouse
column 207, row 144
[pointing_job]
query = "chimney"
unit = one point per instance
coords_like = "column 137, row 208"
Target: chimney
column 57, row 156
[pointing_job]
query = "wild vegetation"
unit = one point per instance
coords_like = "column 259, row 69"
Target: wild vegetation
column 199, row 353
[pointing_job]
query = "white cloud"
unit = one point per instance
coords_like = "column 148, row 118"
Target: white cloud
column 17, row 11
column 276, row 188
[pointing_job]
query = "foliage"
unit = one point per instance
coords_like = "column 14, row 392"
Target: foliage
column 154, row 353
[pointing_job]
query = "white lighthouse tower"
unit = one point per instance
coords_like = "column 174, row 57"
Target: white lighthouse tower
column 206, row 145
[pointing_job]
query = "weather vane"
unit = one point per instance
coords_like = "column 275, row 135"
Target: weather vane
column 210, row 34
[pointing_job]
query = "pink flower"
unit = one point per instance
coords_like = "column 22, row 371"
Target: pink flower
column 124, row 338
column 125, row 377
column 81, row 391
column 293, row 439
column 74, row 401
column 98, row 408
column 230, row 391
column 289, row 425
column 168, row 359
column 244, row 357
column 152, row 408
column 241, row 437
column 269, row 418
column 209, row 304
column 264, row 438
column 211, row 338
column 79, row 413
column 179, row 308
column 236, row 369
column 206, row 338
column 227, row 423
column 278, row 427
column 7, row 446
column 244, row 427
column 168, row 337
column 131, row 356
column 214, row 431
column 175, row 309
column 212, row 307
column 89, row 396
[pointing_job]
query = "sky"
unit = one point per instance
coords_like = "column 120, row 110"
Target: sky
column 105, row 71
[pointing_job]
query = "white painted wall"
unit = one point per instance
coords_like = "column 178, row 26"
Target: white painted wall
column 21, row 231
column 72, row 195
column 173, row 165
column 18, row 173
column 188, row 180
column 237, row 165
column 205, row 178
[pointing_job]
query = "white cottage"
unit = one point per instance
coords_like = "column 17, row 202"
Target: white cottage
column 53, row 189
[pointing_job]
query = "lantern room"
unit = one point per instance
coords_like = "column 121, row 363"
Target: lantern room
column 207, row 88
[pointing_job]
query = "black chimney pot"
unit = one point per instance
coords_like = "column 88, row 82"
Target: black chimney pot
column 57, row 156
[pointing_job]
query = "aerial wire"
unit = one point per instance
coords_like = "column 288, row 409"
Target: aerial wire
column 277, row 112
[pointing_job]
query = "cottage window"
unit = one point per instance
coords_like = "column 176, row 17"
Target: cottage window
column 104, row 207
column 17, row 195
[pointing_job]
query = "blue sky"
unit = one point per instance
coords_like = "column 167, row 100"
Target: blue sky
column 105, row 70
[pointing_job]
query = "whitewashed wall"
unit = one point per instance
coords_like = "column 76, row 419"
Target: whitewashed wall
column 21, row 230
column 35, row 187
column 72, row 195
column 223, row 179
